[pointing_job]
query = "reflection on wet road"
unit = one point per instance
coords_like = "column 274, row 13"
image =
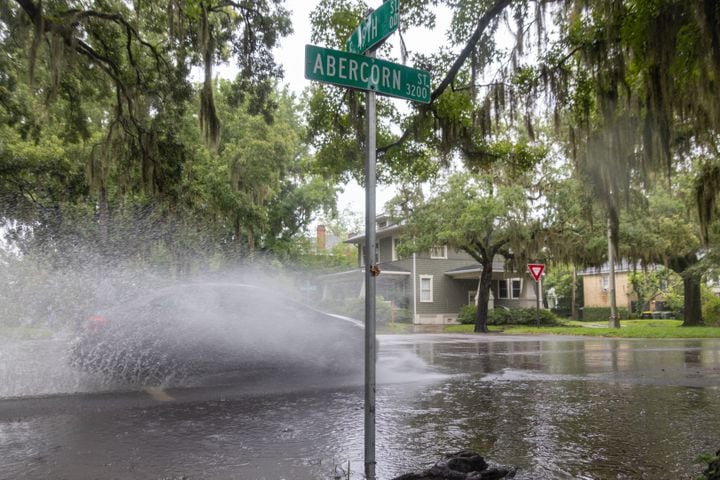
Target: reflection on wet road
column 555, row 407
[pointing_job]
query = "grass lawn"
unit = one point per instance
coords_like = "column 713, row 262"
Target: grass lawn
column 629, row 329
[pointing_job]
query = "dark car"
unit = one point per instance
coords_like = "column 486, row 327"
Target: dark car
column 196, row 329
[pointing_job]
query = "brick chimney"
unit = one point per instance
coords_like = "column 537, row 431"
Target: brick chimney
column 321, row 238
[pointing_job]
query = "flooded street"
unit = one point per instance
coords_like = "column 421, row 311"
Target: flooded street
column 556, row 407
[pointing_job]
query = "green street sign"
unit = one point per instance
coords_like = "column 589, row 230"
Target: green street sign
column 374, row 28
column 366, row 73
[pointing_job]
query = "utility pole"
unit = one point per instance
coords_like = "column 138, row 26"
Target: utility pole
column 614, row 321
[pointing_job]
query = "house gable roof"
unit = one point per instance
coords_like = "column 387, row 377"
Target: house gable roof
column 474, row 270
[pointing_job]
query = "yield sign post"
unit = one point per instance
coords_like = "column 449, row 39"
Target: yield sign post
column 536, row 270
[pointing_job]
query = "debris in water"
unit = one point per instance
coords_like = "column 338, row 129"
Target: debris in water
column 464, row 465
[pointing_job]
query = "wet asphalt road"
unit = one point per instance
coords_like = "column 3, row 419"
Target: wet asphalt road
column 555, row 407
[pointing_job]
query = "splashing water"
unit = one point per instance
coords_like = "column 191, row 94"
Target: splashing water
column 143, row 330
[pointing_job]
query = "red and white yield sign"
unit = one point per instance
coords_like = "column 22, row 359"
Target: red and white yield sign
column 536, row 270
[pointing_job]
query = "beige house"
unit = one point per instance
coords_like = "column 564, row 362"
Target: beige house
column 596, row 287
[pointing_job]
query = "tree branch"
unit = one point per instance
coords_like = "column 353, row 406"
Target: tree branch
column 484, row 21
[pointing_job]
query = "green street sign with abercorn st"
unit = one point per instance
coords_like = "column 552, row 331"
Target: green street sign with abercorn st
column 351, row 70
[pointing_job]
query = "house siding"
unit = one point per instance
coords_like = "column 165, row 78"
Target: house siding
column 385, row 250
column 595, row 296
column 446, row 300
column 449, row 291
column 527, row 294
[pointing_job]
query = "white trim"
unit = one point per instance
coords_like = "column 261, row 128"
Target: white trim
column 508, row 283
column 430, row 278
column 394, row 255
column 444, row 252
column 414, row 281
column 393, row 272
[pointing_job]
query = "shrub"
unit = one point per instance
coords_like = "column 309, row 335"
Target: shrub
column 601, row 314
column 466, row 316
column 403, row 315
column 712, row 472
column 711, row 310
column 501, row 316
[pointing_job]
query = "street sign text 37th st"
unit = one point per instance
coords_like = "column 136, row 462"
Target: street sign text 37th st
column 366, row 73
column 375, row 27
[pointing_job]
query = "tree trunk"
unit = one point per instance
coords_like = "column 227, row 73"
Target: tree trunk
column 251, row 241
column 692, row 307
column 692, row 315
column 483, row 297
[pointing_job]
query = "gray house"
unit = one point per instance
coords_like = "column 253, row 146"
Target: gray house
column 433, row 285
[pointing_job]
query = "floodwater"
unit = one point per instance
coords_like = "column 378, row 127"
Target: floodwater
column 555, row 407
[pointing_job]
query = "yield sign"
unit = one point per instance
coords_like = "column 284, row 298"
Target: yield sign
column 536, row 270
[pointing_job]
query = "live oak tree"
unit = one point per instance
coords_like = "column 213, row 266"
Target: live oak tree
column 103, row 131
column 663, row 229
column 125, row 69
column 483, row 215
column 629, row 87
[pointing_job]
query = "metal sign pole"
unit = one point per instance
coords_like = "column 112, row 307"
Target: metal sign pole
column 370, row 272
column 358, row 68
column 537, row 303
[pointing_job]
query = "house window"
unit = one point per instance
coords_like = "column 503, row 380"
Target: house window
column 426, row 288
column 471, row 297
column 502, row 288
column 605, row 282
column 395, row 242
column 516, row 287
column 509, row 288
column 438, row 251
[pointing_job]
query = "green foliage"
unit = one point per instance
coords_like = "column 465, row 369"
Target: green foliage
column 630, row 329
column 711, row 311
column 100, row 139
column 560, row 277
column 712, row 471
column 595, row 314
column 710, row 307
column 467, row 313
column 513, row 316
column 650, row 284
